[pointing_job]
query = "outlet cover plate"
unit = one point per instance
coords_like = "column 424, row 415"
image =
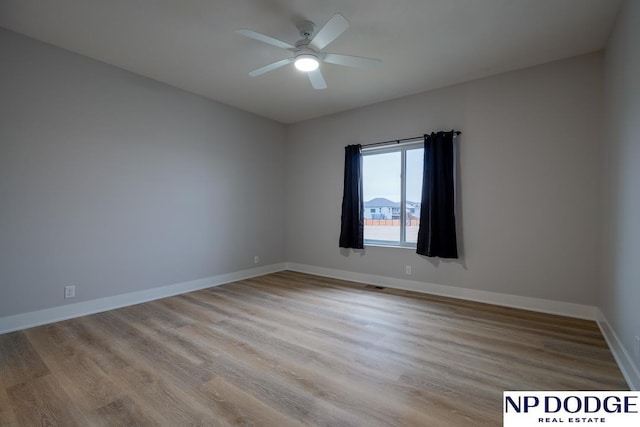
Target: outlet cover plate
column 69, row 291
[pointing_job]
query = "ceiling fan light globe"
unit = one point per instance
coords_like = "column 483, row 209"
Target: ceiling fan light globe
column 306, row 63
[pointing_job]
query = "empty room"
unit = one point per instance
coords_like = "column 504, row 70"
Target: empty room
column 337, row 213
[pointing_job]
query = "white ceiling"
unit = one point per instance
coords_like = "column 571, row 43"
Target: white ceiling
column 424, row 44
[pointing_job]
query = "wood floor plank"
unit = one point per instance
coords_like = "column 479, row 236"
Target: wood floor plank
column 369, row 398
column 123, row 411
column 150, row 352
column 237, row 407
column 41, row 401
column 7, row 414
column 291, row 349
column 174, row 340
column 19, row 362
column 72, row 366
column 100, row 346
column 165, row 401
column 268, row 387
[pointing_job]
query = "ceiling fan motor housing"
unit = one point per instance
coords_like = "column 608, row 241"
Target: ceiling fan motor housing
column 303, row 48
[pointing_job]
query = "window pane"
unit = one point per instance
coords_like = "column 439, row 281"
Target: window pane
column 414, row 193
column 381, row 188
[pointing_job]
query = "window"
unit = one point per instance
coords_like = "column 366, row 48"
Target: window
column 392, row 187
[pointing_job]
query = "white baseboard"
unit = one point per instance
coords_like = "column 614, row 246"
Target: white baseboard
column 64, row 312
column 629, row 369
column 527, row 303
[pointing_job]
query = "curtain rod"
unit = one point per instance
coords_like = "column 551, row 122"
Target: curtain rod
column 398, row 141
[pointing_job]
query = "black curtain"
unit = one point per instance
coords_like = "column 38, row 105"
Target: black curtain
column 437, row 232
column 352, row 228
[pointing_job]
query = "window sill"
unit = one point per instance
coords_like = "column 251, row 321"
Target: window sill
column 382, row 245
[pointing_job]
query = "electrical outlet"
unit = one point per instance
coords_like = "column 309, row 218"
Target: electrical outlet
column 256, row 259
column 407, row 269
column 69, row 291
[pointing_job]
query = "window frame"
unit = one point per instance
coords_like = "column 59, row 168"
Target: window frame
column 402, row 148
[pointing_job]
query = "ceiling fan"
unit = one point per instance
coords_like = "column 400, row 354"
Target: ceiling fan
column 307, row 54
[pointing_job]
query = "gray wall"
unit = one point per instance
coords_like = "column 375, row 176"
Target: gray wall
column 116, row 183
column 619, row 294
column 529, row 187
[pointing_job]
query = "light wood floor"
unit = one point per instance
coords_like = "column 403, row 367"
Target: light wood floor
column 294, row 349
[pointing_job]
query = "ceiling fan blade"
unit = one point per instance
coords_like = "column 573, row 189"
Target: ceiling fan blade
column 331, row 30
column 350, row 61
column 270, row 67
column 264, row 38
column 316, row 79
